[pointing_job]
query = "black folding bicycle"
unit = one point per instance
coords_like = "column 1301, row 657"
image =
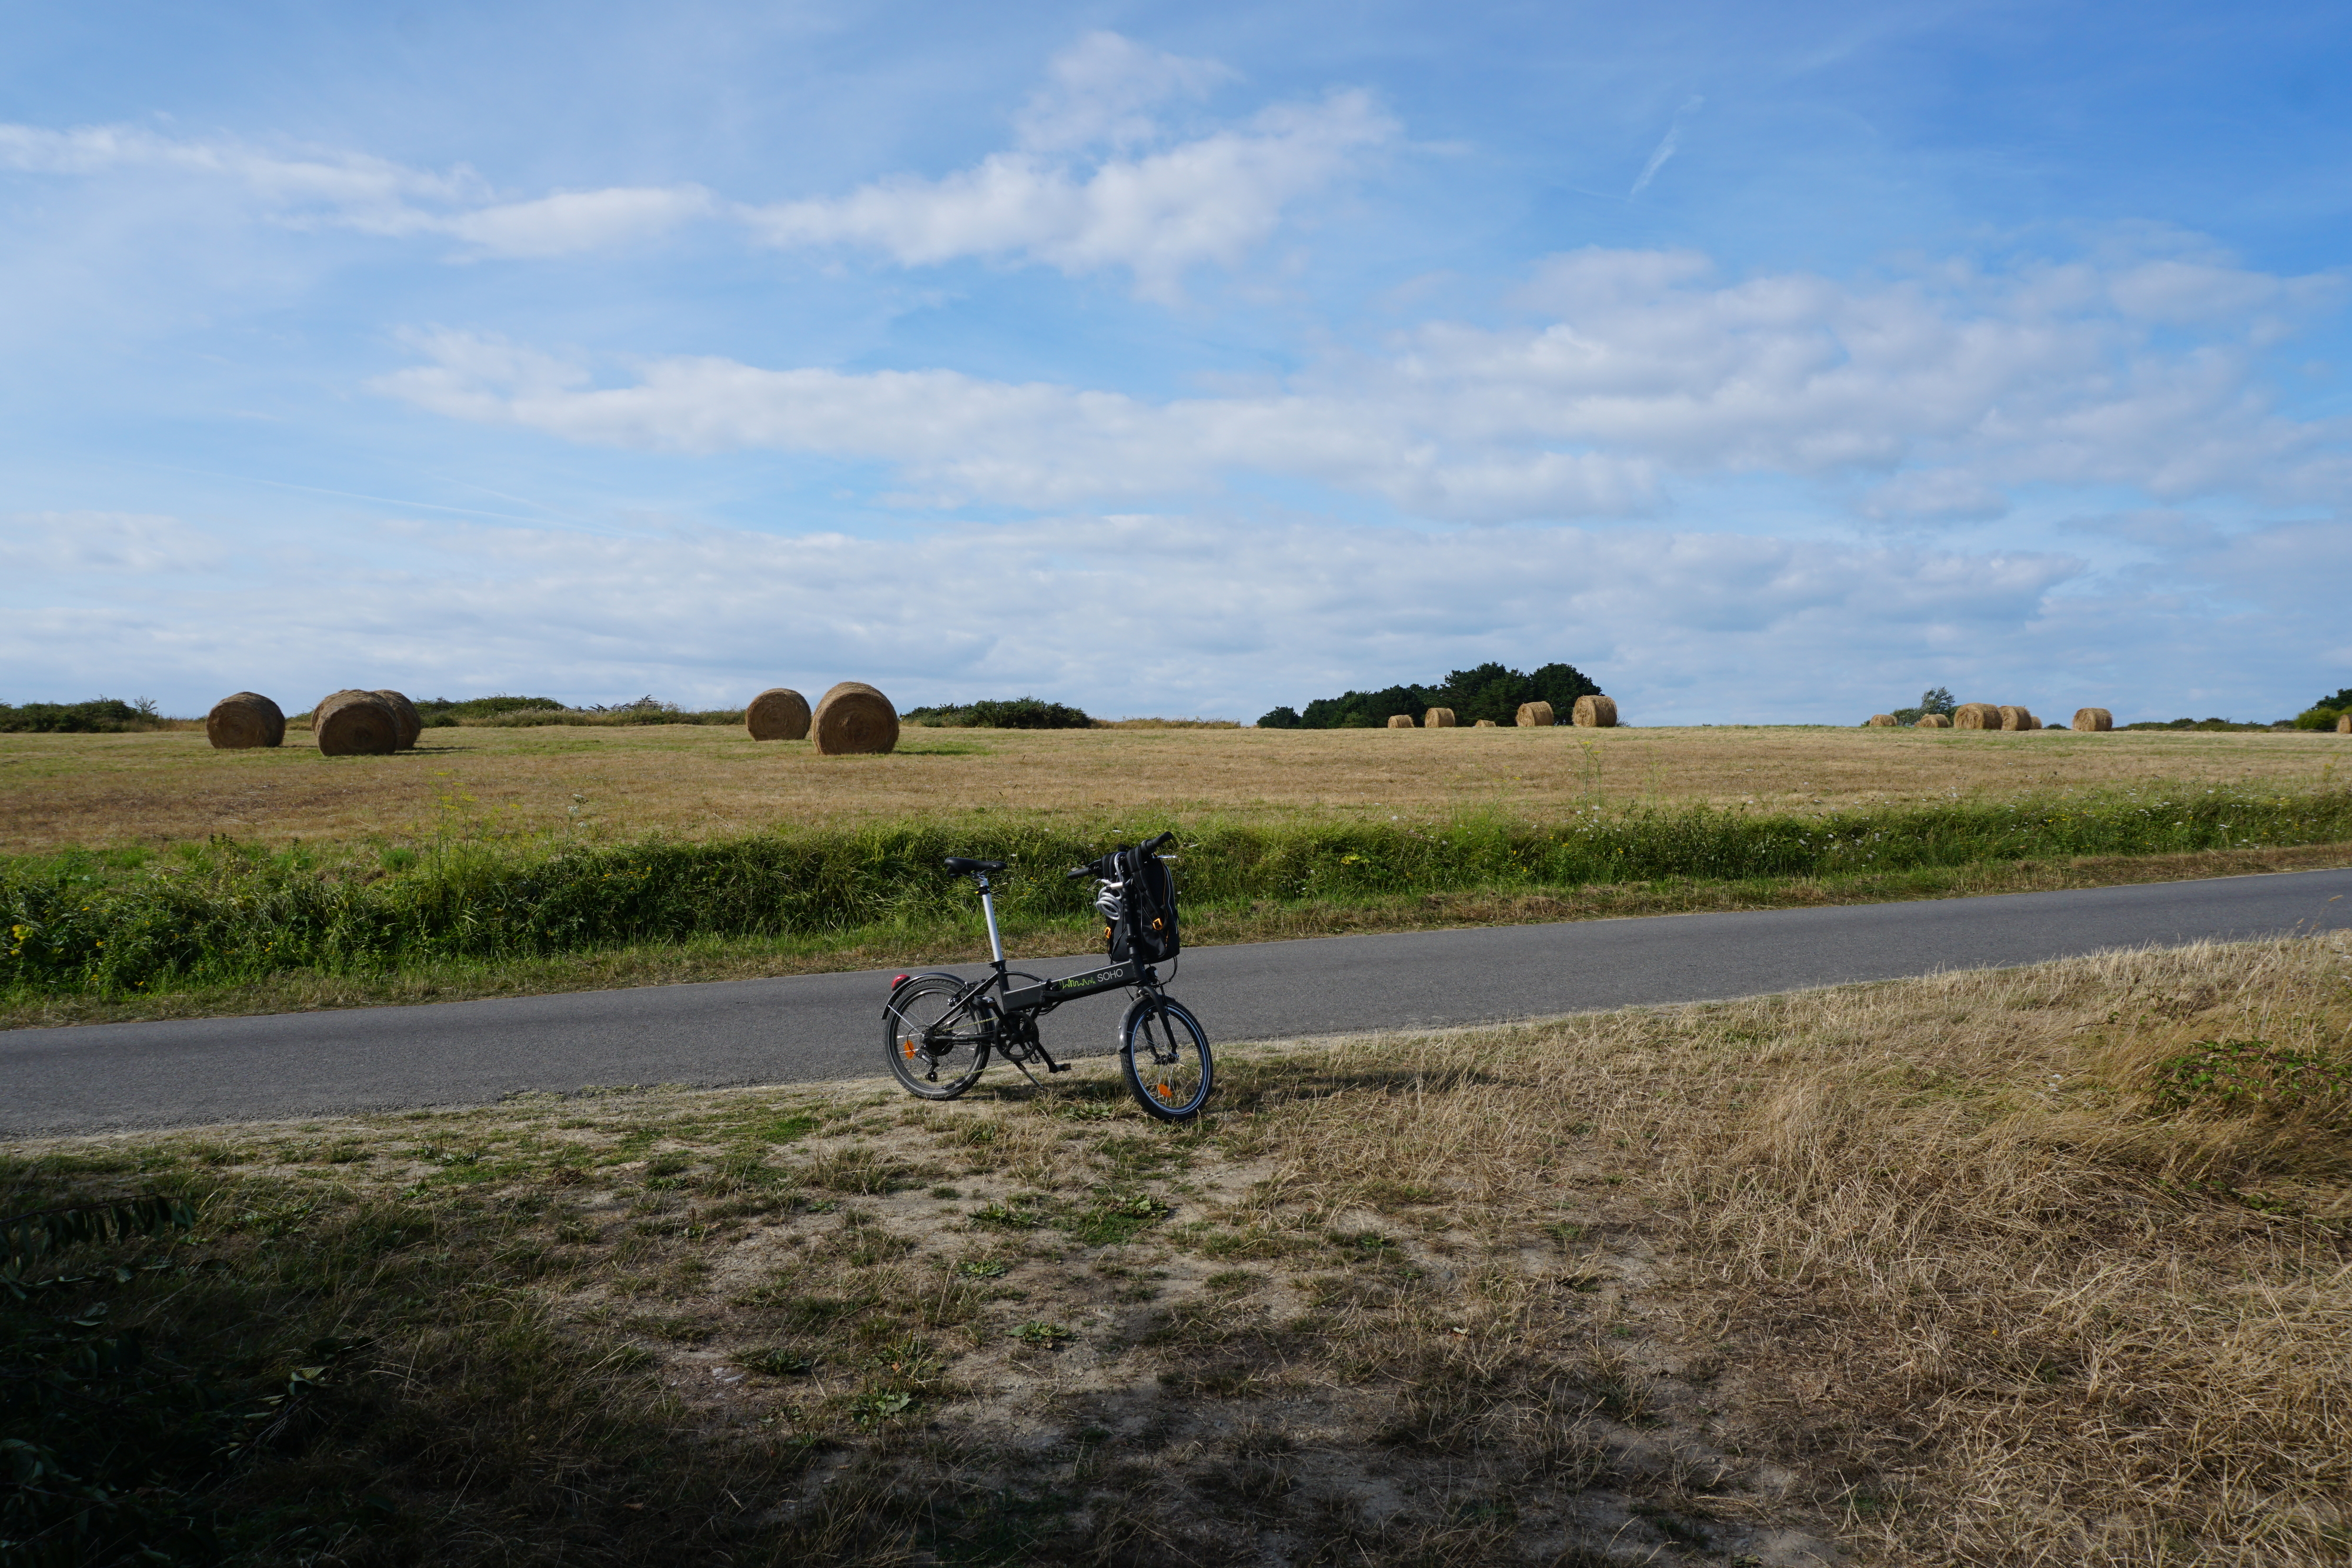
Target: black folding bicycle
column 939, row 1028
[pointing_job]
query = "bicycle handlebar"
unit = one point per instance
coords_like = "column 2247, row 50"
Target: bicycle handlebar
column 1100, row 868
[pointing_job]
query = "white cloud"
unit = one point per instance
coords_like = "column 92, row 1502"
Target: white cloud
column 1100, row 92
column 367, row 193
column 106, row 542
column 372, row 195
column 1213, row 198
column 1935, row 495
column 1034, row 445
column 1937, row 396
column 1262, row 610
column 580, row 220
column 1688, row 625
column 1154, row 206
column 1667, row 145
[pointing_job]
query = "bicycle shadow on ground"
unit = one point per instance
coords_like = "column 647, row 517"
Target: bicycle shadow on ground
column 1244, row 1085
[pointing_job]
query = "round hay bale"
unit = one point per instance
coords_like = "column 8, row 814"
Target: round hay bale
column 1933, row 721
column 412, row 724
column 779, row 713
column 2344, row 724
column 1535, row 716
column 244, row 720
column 1880, row 721
column 1976, row 716
column 1402, row 721
column 1485, row 723
column 1438, row 718
column 853, row 717
column 2018, row 716
column 2095, row 719
column 1596, row 712
column 355, row 722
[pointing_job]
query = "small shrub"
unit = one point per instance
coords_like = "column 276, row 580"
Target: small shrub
column 1111, row 1219
column 2241, row 1075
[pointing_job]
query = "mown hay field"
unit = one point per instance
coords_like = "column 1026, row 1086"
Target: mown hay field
column 2035, row 1266
column 700, row 781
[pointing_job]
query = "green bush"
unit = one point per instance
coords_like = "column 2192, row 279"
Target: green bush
column 2323, row 714
column 118, row 923
column 531, row 712
column 1017, row 713
column 480, row 707
column 101, row 715
column 536, row 718
column 2227, row 726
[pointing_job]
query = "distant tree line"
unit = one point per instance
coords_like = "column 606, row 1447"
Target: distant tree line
column 2321, row 715
column 101, row 715
column 440, row 713
column 1490, row 691
column 1012, row 713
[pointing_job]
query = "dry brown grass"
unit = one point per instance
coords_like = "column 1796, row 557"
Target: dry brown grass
column 1937, row 1271
column 714, row 780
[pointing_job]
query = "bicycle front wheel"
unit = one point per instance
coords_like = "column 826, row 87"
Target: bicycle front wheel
column 1165, row 1054
column 937, row 1040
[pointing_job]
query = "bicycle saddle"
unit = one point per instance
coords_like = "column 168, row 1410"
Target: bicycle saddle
column 963, row 867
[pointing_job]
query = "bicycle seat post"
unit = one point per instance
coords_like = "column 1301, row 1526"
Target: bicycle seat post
column 988, row 908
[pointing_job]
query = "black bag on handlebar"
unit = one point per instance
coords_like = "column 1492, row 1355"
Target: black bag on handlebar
column 1145, row 927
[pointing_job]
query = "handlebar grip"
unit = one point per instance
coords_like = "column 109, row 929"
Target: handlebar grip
column 1075, row 872
column 1166, row 837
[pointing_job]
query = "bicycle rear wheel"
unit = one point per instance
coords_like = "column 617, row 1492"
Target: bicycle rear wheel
column 1164, row 1053
column 936, row 1041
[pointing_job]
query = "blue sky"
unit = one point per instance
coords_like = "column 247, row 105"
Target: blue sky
column 1767, row 364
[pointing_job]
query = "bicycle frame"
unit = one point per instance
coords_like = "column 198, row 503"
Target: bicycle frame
column 1021, row 1006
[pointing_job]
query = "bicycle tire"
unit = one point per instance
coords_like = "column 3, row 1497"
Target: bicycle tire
column 1163, row 1053
column 928, row 1057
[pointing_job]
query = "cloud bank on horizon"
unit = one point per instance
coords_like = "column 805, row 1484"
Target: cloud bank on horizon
column 1349, row 367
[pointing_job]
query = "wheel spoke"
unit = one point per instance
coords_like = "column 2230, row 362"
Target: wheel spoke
column 931, row 1055
column 1165, row 1057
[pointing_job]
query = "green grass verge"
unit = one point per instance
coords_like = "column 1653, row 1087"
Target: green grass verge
column 125, row 923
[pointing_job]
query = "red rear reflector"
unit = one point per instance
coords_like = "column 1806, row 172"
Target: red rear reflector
column 899, row 981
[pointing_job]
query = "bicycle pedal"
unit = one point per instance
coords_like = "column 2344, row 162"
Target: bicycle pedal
column 1057, row 1067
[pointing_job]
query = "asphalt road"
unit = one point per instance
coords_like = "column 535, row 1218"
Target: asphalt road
column 828, row 1026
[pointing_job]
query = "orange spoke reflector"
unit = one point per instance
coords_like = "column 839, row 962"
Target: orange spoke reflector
column 906, row 1046
column 1166, row 1092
